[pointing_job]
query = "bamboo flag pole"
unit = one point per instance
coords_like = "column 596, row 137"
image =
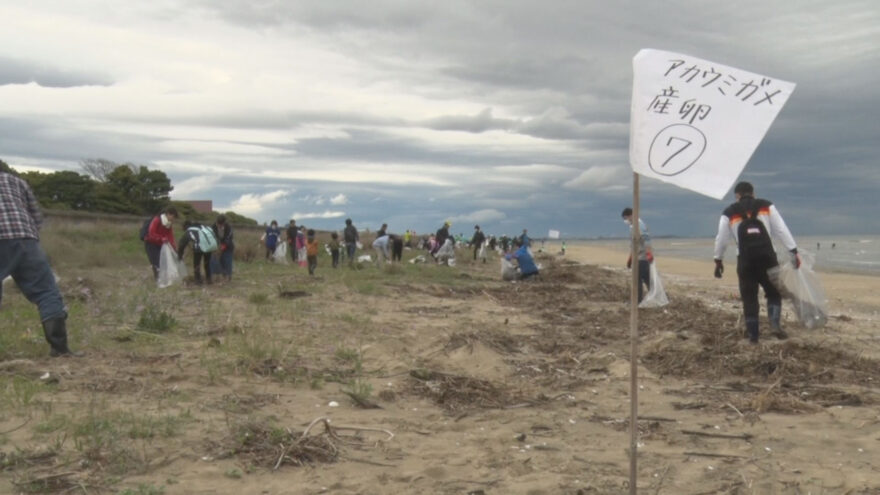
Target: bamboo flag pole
column 634, row 342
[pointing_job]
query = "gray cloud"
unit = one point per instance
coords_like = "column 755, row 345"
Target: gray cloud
column 15, row 71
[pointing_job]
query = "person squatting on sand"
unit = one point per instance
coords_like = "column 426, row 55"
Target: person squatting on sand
column 22, row 258
column 160, row 231
column 750, row 222
column 527, row 266
column 646, row 254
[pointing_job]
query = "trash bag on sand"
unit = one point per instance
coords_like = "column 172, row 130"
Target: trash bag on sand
column 803, row 288
column 508, row 270
column 656, row 296
column 171, row 269
column 280, row 254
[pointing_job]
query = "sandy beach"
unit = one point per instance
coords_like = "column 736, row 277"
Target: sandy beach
column 846, row 292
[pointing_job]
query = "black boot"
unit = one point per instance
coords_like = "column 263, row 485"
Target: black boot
column 774, row 314
column 55, row 330
column 752, row 329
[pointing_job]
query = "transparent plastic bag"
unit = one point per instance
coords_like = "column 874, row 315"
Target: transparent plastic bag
column 508, row 270
column 280, row 254
column 656, row 296
column 803, row 288
column 171, row 269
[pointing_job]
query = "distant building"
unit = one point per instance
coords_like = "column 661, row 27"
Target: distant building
column 201, row 205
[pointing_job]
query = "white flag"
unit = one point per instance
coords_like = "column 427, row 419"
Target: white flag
column 695, row 123
column 553, row 234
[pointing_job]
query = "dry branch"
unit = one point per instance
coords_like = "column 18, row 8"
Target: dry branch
column 744, row 436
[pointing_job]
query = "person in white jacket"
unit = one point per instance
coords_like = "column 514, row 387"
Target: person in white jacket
column 749, row 222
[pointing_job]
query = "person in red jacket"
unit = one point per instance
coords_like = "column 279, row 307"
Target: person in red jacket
column 160, row 232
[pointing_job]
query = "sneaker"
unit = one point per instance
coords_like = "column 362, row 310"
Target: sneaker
column 53, row 353
column 780, row 334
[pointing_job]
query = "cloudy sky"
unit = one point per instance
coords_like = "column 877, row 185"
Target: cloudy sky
column 512, row 114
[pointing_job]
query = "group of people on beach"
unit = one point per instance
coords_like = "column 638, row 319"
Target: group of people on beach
column 749, row 223
column 204, row 241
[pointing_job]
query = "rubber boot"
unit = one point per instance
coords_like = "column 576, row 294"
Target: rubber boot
column 55, row 330
column 774, row 313
column 752, row 329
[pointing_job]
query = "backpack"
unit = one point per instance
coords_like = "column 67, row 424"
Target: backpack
column 754, row 241
column 145, row 228
column 207, row 240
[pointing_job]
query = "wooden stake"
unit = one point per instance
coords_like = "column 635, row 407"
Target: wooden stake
column 634, row 343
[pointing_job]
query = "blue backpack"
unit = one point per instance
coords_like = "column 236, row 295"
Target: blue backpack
column 207, row 240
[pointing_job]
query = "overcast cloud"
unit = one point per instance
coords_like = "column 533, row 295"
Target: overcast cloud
column 511, row 114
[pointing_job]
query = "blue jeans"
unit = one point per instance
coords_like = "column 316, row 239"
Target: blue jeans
column 226, row 263
column 644, row 276
column 25, row 260
column 350, row 248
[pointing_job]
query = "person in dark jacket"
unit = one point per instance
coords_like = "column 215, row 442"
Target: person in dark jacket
column 752, row 263
column 191, row 232
column 292, row 230
column 477, row 241
column 334, row 248
column 22, row 258
column 224, row 234
column 351, row 237
column 396, row 247
column 441, row 236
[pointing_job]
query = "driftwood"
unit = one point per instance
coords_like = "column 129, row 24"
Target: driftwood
column 744, row 436
column 721, row 456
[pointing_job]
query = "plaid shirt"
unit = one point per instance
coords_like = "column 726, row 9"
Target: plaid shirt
column 20, row 216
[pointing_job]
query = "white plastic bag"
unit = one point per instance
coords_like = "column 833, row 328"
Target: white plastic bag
column 171, row 269
column 482, row 253
column 508, row 270
column 803, row 288
column 280, row 254
column 656, row 296
column 446, row 252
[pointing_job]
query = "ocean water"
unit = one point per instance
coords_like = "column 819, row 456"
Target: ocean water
column 850, row 254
